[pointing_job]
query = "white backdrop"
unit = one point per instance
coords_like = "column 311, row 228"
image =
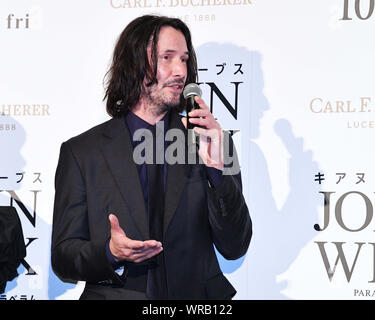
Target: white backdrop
column 302, row 75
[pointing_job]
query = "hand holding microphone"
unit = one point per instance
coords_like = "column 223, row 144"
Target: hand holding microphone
column 200, row 121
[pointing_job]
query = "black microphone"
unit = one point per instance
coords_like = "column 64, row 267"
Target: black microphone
column 190, row 91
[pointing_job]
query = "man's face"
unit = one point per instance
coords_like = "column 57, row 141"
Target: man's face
column 172, row 56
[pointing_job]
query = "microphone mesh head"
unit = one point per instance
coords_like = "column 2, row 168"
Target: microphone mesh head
column 192, row 89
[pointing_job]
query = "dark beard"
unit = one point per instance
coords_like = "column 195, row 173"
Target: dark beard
column 160, row 105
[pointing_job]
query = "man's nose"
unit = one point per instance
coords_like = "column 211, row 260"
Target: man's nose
column 179, row 69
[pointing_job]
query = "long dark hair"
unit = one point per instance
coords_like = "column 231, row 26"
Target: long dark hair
column 130, row 64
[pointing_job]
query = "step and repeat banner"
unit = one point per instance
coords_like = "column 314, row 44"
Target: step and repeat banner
column 294, row 82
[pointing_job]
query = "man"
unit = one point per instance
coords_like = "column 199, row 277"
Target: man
column 147, row 231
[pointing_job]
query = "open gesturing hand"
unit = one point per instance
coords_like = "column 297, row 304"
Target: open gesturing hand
column 124, row 248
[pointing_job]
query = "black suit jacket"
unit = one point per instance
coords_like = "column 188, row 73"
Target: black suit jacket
column 96, row 176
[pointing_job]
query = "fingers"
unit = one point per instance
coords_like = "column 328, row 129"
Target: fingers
column 137, row 254
column 203, row 122
column 200, row 113
column 210, row 134
column 145, row 255
column 214, row 134
column 143, row 246
column 135, row 245
column 202, row 116
column 201, row 103
column 211, row 147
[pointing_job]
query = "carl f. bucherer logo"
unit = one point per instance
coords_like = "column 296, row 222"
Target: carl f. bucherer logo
column 33, row 109
column 122, row 4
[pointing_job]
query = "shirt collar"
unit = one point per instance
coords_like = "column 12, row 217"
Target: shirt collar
column 134, row 122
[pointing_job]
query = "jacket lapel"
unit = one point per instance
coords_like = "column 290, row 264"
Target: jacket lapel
column 176, row 178
column 118, row 152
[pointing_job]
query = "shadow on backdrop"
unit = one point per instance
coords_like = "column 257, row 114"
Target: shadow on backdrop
column 278, row 234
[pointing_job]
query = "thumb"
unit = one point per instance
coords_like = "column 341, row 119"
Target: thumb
column 115, row 225
column 184, row 121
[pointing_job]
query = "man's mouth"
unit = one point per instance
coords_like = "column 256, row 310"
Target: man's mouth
column 177, row 85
